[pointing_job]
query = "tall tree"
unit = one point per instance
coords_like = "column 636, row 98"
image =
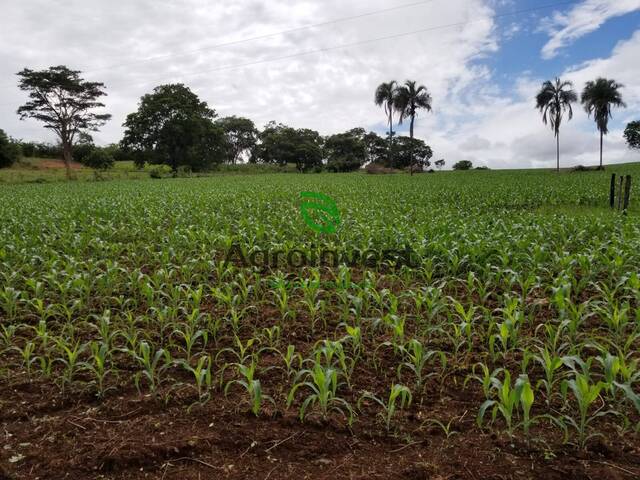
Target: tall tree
column 173, row 126
column 386, row 96
column 409, row 99
column 598, row 97
column 241, row 135
column 65, row 102
column 553, row 100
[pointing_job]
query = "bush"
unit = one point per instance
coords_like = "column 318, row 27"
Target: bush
column 463, row 165
column 40, row 150
column 99, row 159
column 9, row 151
column 183, row 171
column 117, row 152
column 28, row 149
column 160, row 171
column 582, row 168
column 82, row 151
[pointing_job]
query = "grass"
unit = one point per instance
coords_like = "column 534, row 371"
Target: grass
column 43, row 170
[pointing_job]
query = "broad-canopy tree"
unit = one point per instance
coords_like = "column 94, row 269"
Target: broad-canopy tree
column 346, row 152
column 376, row 150
column 64, row 102
column 279, row 144
column 439, row 163
column 172, row 126
column 410, row 153
column 241, row 136
column 632, row 134
column 553, row 100
column 463, row 165
column 598, row 97
column 385, row 96
column 9, row 151
column 410, row 98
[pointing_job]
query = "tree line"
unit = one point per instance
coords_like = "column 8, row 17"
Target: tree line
column 174, row 127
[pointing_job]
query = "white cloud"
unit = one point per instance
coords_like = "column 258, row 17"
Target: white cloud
column 587, row 17
column 475, row 117
column 329, row 91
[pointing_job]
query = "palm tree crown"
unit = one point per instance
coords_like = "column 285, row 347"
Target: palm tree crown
column 597, row 98
column 385, row 96
column 553, row 100
column 410, row 98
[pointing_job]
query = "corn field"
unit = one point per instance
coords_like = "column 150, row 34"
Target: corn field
column 130, row 345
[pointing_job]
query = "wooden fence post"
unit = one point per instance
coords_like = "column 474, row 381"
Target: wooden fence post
column 612, row 193
column 620, row 192
column 627, row 193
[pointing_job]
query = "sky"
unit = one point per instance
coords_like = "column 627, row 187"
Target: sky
column 316, row 64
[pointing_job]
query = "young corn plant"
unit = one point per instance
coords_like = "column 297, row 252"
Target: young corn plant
column 292, row 360
column 585, row 394
column 280, row 294
column 508, row 398
column 272, row 336
column 446, row 429
column 321, row 383
column 611, row 369
column 242, row 353
column 152, row 365
column 70, row 359
column 416, row 358
column 27, row 354
column 353, row 338
column 399, row 398
column 189, row 336
column 485, row 380
column 202, row 376
column 550, row 364
column 9, row 301
column 7, row 336
column 97, row 366
column 251, row 386
column 329, row 352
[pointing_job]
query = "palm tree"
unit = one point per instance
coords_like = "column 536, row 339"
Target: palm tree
column 553, row 100
column 409, row 99
column 386, row 96
column 597, row 98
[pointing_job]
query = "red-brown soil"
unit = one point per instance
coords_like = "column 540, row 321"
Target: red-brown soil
column 133, row 436
column 57, row 164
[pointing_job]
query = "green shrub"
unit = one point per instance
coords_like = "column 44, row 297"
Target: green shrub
column 99, row 159
column 160, row 171
column 9, row 151
column 463, row 165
